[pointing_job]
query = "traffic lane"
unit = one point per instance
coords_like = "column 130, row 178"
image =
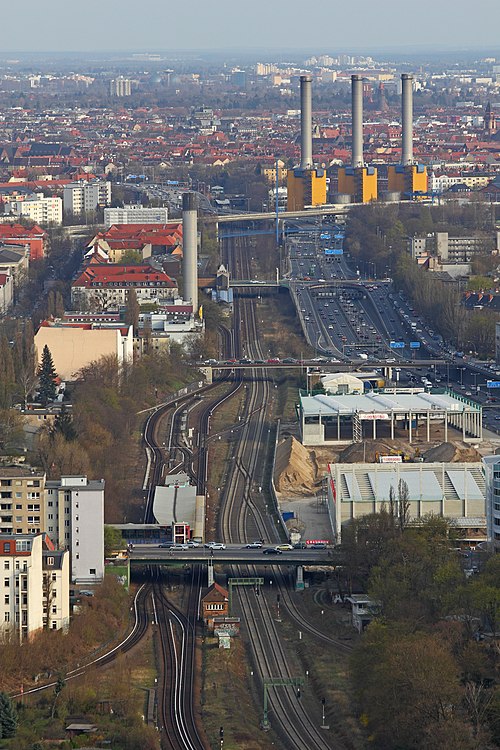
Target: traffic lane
column 239, row 552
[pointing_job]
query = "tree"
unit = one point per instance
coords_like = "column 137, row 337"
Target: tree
column 112, row 540
column 25, row 361
column 63, row 424
column 47, row 375
column 8, row 717
column 132, row 309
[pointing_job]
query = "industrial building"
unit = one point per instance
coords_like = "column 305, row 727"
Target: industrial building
column 407, row 180
column 455, row 491
column 357, row 183
column 177, row 506
column 407, row 413
column 306, row 184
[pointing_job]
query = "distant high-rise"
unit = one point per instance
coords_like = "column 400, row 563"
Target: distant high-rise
column 121, row 86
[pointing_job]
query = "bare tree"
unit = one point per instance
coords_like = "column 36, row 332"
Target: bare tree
column 403, row 504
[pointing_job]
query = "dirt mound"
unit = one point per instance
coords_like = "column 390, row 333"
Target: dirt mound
column 295, row 469
column 367, row 452
column 452, row 453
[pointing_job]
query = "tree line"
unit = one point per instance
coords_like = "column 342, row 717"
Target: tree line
column 424, row 674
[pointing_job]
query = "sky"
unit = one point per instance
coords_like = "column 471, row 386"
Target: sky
column 331, row 25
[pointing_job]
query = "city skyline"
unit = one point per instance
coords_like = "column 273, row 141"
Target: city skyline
column 199, row 26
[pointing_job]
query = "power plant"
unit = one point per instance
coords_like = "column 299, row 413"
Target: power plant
column 357, row 183
column 407, row 179
column 190, row 249
column 306, row 183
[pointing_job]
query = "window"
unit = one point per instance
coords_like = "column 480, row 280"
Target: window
column 6, row 565
column 23, row 545
column 7, row 599
column 77, row 556
column 54, row 609
column 54, row 592
column 50, row 504
column 19, row 519
column 92, row 571
column 19, row 494
column 6, row 581
column 19, row 507
column 7, row 617
column 54, row 576
column 6, row 547
column 54, row 625
column 50, row 561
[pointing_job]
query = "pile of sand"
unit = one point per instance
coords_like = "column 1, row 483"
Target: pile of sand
column 295, row 470
column 452, row 452
column 366, row 452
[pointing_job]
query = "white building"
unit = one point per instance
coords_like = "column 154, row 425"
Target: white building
column 455, row 491
column 35, row 586
column 6, row 292
column 39, row 209
column 75, row 521
column 492, row 475
column 135, row 214
column 82, row 197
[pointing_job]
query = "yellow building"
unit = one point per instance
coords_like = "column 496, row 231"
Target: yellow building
column 306, row 188
column 269, row 172
column 358, row 182
column 409, row 180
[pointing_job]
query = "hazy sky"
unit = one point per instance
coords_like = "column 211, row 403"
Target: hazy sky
column 249, row 24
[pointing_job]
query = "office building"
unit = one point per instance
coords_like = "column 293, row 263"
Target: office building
column 135, row 214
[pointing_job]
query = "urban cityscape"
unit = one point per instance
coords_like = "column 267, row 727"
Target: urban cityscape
column 250, row 378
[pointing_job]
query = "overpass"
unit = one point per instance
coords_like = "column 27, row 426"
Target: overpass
column 333, row 209
column 144, row 555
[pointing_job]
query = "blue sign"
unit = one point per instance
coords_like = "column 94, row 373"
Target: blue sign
column 493, row 383
column 414, row 344
column 325, row 236
column 397, row 344
column 333, row 251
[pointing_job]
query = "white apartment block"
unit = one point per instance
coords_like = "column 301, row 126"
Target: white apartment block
column 75, row 520
column 441, row 183
column 135, row 214
column 39, row 209
column 35, row 588
column 82, row 197
column 21, row 500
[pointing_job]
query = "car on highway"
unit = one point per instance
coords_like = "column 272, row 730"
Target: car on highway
column 215, row 545
column 182, row 546
column 271, row 551
column 284, row 547
column 252, row 545
column 192, row 543
column 165, row 545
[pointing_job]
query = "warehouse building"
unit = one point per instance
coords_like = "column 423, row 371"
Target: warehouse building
column 406, row 413
column 456, row 491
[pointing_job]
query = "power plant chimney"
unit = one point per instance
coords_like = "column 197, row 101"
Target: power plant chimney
column 306, row 156
column 190, row 249
column 407, row 118
column 357, row 121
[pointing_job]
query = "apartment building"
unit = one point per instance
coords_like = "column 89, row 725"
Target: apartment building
column 21, row 500
column 75, row 521
column 82, row 197
column 105, row 287
column 135, row 214
column 39, row 209
column 120, row 86
column 6, row 292
column 35, row 586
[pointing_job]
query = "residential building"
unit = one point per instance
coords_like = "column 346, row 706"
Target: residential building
column 21, row 500
column 135, row 214
column 39, row 209
column 215, row 603
column 35, row 586
column 32, row 240
column 74, row 345
column 104, row 287
column 74, row 520
column 120, row 86
column 451, row 249
column 13, row 261
column 82, row 197
column 492, row 476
